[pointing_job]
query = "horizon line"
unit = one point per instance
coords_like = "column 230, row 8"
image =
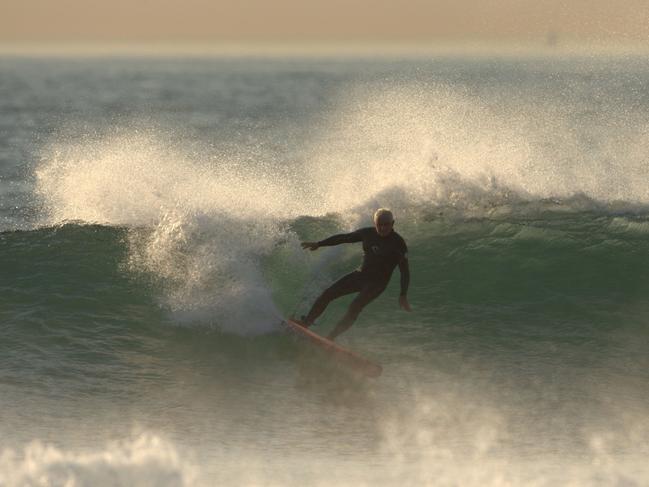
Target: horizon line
column 321, row 48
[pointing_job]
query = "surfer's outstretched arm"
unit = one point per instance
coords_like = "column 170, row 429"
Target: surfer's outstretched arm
column 334, row 240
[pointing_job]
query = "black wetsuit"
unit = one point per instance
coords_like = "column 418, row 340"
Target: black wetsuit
column 381, row 256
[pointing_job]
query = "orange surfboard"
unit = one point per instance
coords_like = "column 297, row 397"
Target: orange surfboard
column 341, row 354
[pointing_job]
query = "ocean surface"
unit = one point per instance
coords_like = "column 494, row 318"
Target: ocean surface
column 151, row 211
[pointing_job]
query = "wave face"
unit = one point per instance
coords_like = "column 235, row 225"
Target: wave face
column 148, row 255
column 552, row 259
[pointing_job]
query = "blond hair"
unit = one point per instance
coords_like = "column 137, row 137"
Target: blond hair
column 383, row 214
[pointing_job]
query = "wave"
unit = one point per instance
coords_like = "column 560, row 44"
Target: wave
column 243, row 276
column 216, row 231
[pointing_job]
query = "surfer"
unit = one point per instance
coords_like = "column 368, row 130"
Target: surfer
column 383, row 250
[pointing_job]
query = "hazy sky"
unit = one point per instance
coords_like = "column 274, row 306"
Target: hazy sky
column 322, row 20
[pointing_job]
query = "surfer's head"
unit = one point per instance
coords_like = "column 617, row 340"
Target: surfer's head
column 383, row 221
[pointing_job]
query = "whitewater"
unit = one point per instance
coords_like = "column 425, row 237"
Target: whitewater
column 151, row 213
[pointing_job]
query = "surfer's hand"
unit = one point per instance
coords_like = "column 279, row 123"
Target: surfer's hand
column 403, row 302
column 310, row 245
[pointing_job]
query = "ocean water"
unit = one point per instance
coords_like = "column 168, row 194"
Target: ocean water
column 151, row 211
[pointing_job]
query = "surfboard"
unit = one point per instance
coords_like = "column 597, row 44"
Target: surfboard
column 338, row 352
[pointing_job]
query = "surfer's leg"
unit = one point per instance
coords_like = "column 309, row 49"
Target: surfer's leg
column 348, row 284
column 368, row 294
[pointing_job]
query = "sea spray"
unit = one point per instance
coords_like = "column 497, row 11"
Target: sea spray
column 209, row 267
column 198, row 233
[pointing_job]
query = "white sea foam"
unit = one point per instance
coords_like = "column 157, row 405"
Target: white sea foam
column 143, row 461
column 445, row 440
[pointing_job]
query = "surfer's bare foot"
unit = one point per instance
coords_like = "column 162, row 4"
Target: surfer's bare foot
column 333, row 335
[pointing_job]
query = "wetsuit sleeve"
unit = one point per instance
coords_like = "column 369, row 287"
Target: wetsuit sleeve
column 404, row 268
column 341, row 238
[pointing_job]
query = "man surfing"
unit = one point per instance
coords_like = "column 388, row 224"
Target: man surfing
column 383, row 250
